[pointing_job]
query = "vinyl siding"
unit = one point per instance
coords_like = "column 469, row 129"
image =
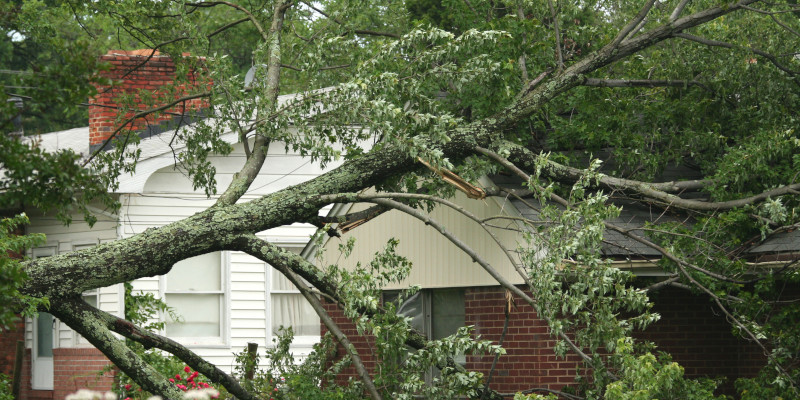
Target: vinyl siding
column 437, row 262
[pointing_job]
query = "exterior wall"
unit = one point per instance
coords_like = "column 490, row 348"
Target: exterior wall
column 75, row 362
column 437, row 261
column 168, row 196
column 530, row 361
column 8, row 347
column 697, row 337
column 700, row 339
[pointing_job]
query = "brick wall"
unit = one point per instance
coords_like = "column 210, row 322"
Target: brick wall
column 8, row 346
column 529, row 361
column 132, row 72
column 79, row 368
column 363, row 344
column 698, row 337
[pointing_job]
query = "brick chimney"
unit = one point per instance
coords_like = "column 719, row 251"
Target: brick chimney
column 140, row 73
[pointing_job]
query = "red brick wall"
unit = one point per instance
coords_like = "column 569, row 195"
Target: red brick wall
column 700, row 339
column 363, row 344
column 132, row 71
column 529, row 361
column 73, row 369
column 697, row 336
column 8, row 347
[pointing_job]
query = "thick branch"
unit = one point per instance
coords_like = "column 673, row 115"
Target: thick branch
column 655, row 191
column 87, row 321
column 199, row 364
column 532, row 97
column 249, row 172
column 624, row 83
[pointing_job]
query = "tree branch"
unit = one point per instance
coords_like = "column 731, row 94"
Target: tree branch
column 717, row 43
column 557, row 32
column 226, row 27
column 258, row 155
column 678, row 10
column 250, row 16
column 633, row 24
column 624, row 83
column 199, row 364
column 85, row 320
column 356, row 31
column 268, row 253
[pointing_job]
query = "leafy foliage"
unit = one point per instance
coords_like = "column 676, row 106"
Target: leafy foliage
column 390, row 84
column 12, row 275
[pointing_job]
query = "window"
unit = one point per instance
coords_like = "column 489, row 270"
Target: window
column 288, row 308
column 195, row 288
column 436, row 313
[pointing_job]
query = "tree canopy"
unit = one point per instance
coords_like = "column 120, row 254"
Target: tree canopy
column 581, row 101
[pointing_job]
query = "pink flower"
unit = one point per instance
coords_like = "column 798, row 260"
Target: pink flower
column 186, row 369
column 127, row 398
column 128, row 387
column 172, row 380
column 177, row 377
column 194, row 374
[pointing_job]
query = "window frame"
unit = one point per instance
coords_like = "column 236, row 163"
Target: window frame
column 221, row 341
column 299, row 340
column 428, row 305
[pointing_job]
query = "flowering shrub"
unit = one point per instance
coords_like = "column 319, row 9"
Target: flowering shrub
column 191, row 382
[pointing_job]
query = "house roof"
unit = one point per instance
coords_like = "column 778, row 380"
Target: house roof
column 636, row 214
column 157, row 148
column 76, row 139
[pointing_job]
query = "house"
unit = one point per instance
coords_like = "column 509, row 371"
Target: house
column 456, row 291
column 239, row 298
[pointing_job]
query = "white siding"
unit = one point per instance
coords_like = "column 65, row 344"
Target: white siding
column 437, row 262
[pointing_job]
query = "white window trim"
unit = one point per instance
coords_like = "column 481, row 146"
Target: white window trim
column 299, row 340
column 222, row 341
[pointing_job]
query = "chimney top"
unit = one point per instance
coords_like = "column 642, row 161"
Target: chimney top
column 143, row 73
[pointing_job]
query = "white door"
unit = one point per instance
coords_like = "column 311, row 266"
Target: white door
column 43, row 339
column 42, row 352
